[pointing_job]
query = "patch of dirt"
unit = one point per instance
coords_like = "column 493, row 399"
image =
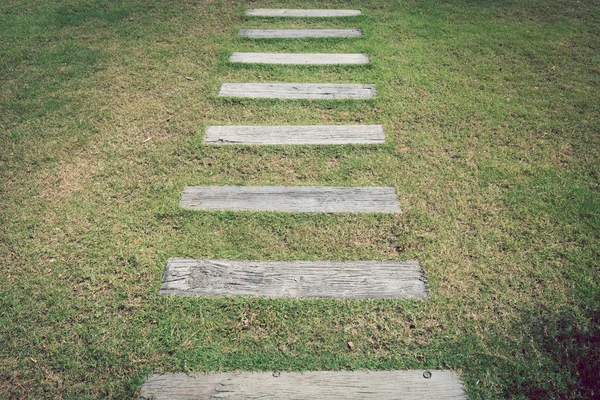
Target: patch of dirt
column 68, row 179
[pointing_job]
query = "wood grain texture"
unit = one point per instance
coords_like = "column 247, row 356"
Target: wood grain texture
column 326, row 385
column 298, row 279
column 327, row 199
column 299, row 33
column 299, row 134
column 298, row 58
column 281, row 12
column 297, row 90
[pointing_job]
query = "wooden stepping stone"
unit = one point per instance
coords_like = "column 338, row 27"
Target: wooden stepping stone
column 279, row 12
column 298, row 59
column 305, row 279
column 326, row 199
column 326, row 385
column 299, row 33
column 297, row 90
column 299, row 135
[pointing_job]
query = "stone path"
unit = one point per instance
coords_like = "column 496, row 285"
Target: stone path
column 298, row 59
column 297, row 91
column 322, row 199
column 280, row 12
column 299, row 33
column 295, row 134
column 325, row 385
column 299, row 279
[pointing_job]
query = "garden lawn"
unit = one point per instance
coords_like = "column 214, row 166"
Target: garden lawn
column 492, row 120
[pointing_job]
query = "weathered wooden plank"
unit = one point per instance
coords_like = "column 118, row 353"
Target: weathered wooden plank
column 326, row 385
column 305, row 279
column 297, row 90
column 308, row 134
column 299, row 33
column 298, row 58
column 281, row 12
column 327, row 199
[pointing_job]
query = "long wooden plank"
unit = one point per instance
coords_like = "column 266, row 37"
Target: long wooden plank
column 300, row 134
column 304, row 279
column 298, row 58
column 281, row 12
column 325, row 385
column 297, row 90
column 327, row 199
column 299, row 33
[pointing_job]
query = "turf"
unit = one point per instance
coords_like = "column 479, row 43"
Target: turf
column 491, row 115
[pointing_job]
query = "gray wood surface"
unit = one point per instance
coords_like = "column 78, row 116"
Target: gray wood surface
column 297, row 90
column 282, row 12
column 299, row 33
column 299, row 134
column 304, row 279
column 326, row 385
column 298, row 58
column 327, row 199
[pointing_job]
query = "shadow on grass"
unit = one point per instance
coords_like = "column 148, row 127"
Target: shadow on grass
column 567, row 344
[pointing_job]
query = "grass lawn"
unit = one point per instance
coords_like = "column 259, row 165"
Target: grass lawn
column 492, row 117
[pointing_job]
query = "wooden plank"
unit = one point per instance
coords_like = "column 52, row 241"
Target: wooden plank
column 305, row 279
column 281, row 12
column 300, row 135
column 297, row 90
column 327, row 199
column 326, row 385
column 299, row 33
column 298, row 59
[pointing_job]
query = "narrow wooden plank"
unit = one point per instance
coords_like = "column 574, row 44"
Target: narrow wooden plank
column 305, row 279
column 300, row 135
column 281, row 12
column 327, row 199
column 297, row 90
column 299, row 33
column 326, row 385
column 298, row 59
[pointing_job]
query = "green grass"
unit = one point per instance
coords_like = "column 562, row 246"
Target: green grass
column 491, row 113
